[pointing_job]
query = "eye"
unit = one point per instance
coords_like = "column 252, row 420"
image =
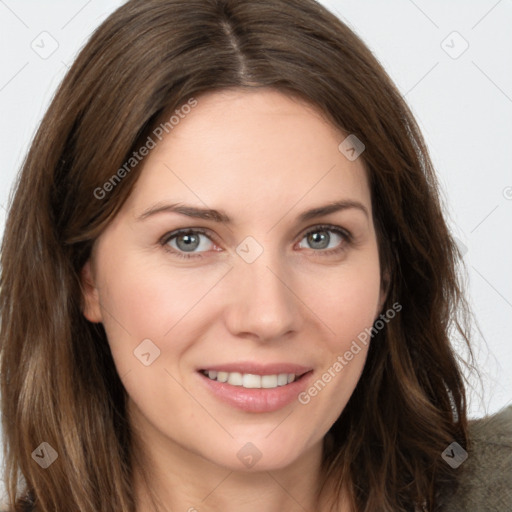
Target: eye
column 187, row 241
column 326, row 239
column 190, row 243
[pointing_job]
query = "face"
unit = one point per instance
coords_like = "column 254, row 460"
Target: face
column 222, row 324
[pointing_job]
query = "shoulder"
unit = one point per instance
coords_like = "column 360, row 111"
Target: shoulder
column 485, row 477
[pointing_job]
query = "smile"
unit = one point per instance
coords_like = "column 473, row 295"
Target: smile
column 256, row 388
column 250, row 380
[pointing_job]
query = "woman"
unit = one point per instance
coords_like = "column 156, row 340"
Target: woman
column 227, row 282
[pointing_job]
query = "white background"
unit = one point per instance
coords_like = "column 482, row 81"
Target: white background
column 463, row 106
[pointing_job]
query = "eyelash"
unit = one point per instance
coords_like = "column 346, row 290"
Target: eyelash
column 345, row 235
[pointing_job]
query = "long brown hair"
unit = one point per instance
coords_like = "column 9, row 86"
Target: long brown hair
column 58, row 380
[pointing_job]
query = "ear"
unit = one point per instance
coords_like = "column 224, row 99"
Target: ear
column 91, row 302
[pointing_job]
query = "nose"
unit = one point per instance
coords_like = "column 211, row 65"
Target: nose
column 262, row 302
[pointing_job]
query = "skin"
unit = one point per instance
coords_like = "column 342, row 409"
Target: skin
column 263, row 158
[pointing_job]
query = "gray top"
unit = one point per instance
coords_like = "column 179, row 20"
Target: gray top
column 485, row 477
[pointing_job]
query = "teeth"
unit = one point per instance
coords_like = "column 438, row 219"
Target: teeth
column 235, row 379
column 221, row 376
column 251, row 381
column 269, row 381
column 282, row 379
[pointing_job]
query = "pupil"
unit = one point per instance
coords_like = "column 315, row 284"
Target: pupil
column 320, row 239
column 189, row 242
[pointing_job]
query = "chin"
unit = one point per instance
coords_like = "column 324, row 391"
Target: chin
column 259, row 452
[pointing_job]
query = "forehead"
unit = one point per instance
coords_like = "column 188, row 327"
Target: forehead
column 250, row 151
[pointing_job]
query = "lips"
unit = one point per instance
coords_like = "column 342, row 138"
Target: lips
column 254, row 387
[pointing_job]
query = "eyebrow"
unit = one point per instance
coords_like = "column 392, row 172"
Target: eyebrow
column 221, row 217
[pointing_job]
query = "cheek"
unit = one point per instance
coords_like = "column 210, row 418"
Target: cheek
column 346, row 299
column 347, row 310
column 347, row 302
column 143, row 300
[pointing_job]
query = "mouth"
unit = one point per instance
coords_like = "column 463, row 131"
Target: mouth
column 253, row 380
column 256, row 388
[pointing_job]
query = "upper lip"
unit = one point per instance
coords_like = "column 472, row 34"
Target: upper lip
column 258, row 368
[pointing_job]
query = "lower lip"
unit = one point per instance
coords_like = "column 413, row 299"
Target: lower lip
column 259, row 399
